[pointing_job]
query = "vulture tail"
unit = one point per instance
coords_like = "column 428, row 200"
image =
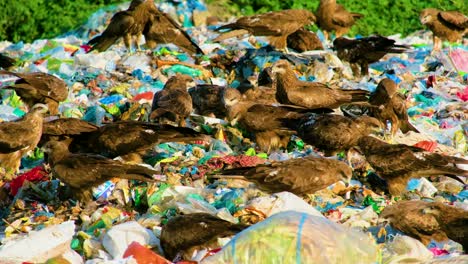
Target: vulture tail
column 230, row 34
column 357, row 95
column 406, row 126
column 101, row 43
column 6, row 62
column 357, row 15
column 137, row 172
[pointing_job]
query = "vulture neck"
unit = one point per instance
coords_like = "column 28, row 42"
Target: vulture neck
column 34, row 119
column 285, row 80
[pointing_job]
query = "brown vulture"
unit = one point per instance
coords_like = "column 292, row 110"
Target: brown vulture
column 334, row 133
column 19, row 137
column 389, row 105
column 161, row 28
column 83, row 171
column 207, row 100
column 276, row 25
column 365, row 51
column 334, row 17
column 39, row 88
column 445, row 25
column 300, row 176
column 131, row 139
column 65, row 129
column 312, row 95
column 183, row 234
column 398, row 163
column 428, row 221
column 304, row 40
column 271, row 126
column 173, row 102
column 128, row 24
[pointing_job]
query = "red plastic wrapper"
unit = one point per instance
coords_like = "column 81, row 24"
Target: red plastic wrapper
column 144, row 96
column 439, row 251
column 426, row 145
column 463, row 95
column 35, row 174
column 143, row 255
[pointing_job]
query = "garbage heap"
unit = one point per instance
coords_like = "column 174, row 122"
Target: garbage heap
column 327, row 226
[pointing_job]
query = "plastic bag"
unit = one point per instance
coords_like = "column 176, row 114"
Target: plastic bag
column 293, row 237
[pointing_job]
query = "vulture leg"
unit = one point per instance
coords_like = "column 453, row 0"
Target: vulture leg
column 364, row 69
column 136, row 42
column 128, row 41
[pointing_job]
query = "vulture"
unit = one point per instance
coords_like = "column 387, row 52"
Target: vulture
column 6, row 62
column 389, row 105
column 335, row 133
column 428, row 221
column 312, row 95
column 65, row 129
column 184, row 234
column 128, row 24
column 173, row 102
column 39, row 88
column 334, row 17
column 259, row 89
column 82, row 171
column 161, row 28
column 131, row 139
column 304, row 40
column 207, row 100
column 300, row 176
column 19, row 137
column 271, row 126
column 275, row 25
column 445, row 25
column 364, row 51
column 398, row 163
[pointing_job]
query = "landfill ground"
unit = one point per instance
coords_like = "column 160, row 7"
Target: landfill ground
column 41, row 223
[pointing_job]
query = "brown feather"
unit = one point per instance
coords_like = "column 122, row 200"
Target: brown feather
column 397, row 164
column 161, row 28
column 445, row 25
column 428, row 221
column 312, row 95
column 19, row 137
column 335, row 133
column 389, row 105
column 304, row 40
column 300, row 176
column 365, row 51
column 127, row 137
column 39, row 88
column 185, row 233
column 126, row 24
column 81, row 172
column 174, row 101
column 276, row 25
column 333, row 17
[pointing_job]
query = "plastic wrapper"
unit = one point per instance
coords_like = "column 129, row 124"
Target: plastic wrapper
column 39, row 246
column 404, row 249
column 294, row 237
column 119, row 237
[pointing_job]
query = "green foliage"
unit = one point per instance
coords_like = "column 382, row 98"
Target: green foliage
column 28, row 20
column 385, row 17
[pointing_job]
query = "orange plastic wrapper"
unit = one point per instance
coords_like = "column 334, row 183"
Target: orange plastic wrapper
column 143, row 255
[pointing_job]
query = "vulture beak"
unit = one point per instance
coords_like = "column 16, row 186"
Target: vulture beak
column 191, row 84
